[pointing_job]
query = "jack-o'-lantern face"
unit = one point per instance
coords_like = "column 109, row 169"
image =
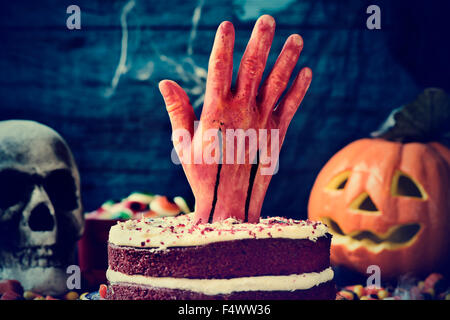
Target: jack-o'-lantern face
column 386, row 204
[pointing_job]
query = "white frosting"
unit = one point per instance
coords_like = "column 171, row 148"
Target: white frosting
column 226, row 286
column 180, row 231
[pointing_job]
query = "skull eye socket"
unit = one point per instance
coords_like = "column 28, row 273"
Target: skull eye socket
column 405, row 186
column 15, row 187
column 61, row 189
column 339, row 182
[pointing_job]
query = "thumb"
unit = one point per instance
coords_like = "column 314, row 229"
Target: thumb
column 180, row 111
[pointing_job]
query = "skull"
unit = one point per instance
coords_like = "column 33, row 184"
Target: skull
column 40, row 206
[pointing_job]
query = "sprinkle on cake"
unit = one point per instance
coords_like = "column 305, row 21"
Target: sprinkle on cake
column 165, row 232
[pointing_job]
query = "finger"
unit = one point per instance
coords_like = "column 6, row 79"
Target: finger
column 254, row 60
column 290, row 103
column 276, row 82
column 180, row 111
column 220, row 68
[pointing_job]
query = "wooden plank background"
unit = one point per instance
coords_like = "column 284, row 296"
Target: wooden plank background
column 115, row 121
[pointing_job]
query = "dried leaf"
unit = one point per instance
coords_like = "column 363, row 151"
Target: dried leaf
column 425, row 119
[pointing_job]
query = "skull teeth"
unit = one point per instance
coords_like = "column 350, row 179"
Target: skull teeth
column 42, row 262
column 35, row 257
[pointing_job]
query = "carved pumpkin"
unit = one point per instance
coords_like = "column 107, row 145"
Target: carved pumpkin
column 387, row 204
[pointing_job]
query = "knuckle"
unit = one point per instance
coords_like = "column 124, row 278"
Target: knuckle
column 253, row 67
column 278, row 81
column 175, row 107
column 290, row 108
column 219, row 65
column 173, row 103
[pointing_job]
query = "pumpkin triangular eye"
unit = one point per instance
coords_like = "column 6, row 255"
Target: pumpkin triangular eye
column 405, row 186
column 364, row 204
column 339, row 182
column 368, row 205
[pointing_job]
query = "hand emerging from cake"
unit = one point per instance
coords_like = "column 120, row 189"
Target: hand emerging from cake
column 230, row 157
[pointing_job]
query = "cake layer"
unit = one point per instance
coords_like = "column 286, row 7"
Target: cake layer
column 128, row 291
column 180, row 231
column 222, row 260
column 290, row 282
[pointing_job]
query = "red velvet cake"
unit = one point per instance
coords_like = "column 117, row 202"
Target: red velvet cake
column 174, row 258
column 224, row 250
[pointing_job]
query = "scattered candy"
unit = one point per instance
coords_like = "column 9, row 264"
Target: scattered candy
column 421, row 285
column 434, row 287
column 84, row 295
column 10, row 286
column 149, row 214
column 141, row 197
column 29, row 295
column 436, row 283
column 182, row 204
column 71, row 295
column 135, row 206
column 102, row 291
column 11, row 295
column 138, row 205
column 358, row 292
column 382, row 294
column 357, row 289
column 13, row 290
column 123, row 215
column 164, row 207
column 372, row 290
column 368, row 298
column 346, row 295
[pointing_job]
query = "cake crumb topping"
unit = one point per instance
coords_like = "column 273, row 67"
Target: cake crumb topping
column 182, row 231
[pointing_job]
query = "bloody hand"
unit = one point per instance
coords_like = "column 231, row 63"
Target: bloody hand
column 223, row 189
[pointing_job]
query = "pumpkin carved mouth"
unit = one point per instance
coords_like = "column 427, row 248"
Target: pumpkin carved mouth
column 396, row 237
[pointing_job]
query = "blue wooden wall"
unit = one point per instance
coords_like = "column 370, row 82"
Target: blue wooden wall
column 98, row 86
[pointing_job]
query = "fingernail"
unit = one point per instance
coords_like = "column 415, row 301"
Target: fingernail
column 297, row 40
column 267, row 19
column 226, row 28
column 164, row 88
column 226, row 25
column 307, row 72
